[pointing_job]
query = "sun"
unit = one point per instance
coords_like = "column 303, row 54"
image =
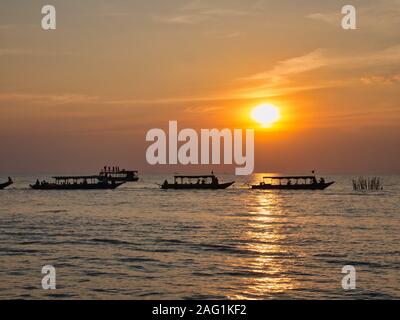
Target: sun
column 266, row 114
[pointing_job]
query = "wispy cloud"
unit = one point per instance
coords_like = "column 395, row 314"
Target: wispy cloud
column 28, row 52
column 381, row 79
column 179, row 19
column 56, row 99
column 196, row 12
column 330, row 18
column 307, row 62
column 283, row 78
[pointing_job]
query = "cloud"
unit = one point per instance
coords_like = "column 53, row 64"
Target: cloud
column 225, row 35
column 283, row 77
column 7, row 27
column 47, row 98
column 25, row 52
column 330, row 18
column 196, row 12
column 179, row 19
column 381, row 79
column 307, row 62
column 10, row 52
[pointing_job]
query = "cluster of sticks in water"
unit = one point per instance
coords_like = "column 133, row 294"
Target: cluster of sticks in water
column 367, row 184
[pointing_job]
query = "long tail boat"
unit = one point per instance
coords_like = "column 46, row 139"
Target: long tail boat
column 196, row 182
column 76, row 183
column 6, row 184
column 118, row 175
column 292, row 183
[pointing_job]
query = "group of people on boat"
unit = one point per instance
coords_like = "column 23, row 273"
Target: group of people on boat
column 199, row 181
column 286, row 183
column 43, row 183
column 111, row 170
column 313, row 181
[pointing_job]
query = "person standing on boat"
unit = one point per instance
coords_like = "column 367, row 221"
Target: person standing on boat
column 214, row 180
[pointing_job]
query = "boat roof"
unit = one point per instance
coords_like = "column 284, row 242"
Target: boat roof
column 75, row 177
column 119, row 171
column 195, row 177
column 290, row 177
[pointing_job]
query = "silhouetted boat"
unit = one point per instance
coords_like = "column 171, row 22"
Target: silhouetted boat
column 196, row 182
column 6, row 184
column 292, row 183
column 114, row 173
column 77, row 183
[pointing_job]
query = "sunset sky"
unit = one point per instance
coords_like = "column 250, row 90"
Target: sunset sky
column 85, row 95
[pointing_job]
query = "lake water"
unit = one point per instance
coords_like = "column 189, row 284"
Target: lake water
column 140, row 242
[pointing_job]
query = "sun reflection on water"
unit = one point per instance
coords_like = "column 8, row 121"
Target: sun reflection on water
column 264, row 234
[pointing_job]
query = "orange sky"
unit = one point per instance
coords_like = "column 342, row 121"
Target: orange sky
column 84, row 95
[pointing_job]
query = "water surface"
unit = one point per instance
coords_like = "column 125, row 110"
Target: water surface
column 140, row 242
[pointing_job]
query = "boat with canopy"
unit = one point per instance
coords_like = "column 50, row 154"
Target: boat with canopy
column 292, row 183
column 196, row 182
column 76, row 183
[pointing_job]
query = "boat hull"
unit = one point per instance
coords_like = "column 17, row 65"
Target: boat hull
column 318, row 186
column 97, row 186
column 5, row 185
column 195, row 186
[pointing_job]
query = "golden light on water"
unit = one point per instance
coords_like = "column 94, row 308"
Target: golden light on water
column 265, row 236
column 266, row 114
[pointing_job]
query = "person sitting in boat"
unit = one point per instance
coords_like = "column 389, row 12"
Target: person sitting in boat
column 37, row 182
column 289, row 183
column 9, row 179
column 322, row 181
column 165, row 183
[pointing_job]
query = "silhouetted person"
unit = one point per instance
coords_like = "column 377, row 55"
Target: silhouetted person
column 9, row 179
column 37, row 182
